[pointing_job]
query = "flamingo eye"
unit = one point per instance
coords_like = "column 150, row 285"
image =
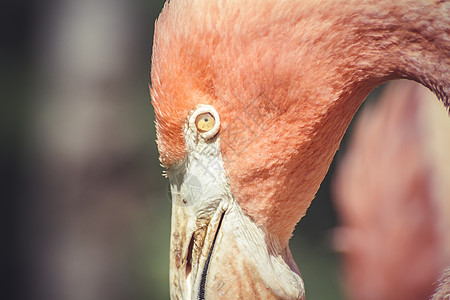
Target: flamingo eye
column 205, row 122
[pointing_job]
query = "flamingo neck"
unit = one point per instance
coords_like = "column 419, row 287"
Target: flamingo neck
column 384, row 40
column 354, row 48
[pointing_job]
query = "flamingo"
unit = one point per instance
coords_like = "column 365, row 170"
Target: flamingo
column 395, row 243
column 252, row 99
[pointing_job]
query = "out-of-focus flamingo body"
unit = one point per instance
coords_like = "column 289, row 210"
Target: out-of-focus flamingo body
column 392, row 193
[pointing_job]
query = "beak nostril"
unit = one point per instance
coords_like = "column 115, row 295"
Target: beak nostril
column 189, row 257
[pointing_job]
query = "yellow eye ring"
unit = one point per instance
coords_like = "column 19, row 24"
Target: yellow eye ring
column 205, row 122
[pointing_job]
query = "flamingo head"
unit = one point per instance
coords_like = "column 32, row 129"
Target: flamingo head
column 246, row 137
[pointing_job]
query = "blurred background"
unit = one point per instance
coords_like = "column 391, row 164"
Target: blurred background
column 87, row 211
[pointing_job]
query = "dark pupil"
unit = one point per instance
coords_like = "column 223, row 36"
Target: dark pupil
column 206, row 119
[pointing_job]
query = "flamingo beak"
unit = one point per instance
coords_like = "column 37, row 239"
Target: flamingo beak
column 199, row 203
column 191, row 246
column 216, row 250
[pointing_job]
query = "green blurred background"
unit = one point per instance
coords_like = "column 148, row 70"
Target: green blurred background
column 87, row 210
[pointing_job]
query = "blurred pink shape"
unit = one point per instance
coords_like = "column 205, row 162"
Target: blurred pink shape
column 392, row 196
